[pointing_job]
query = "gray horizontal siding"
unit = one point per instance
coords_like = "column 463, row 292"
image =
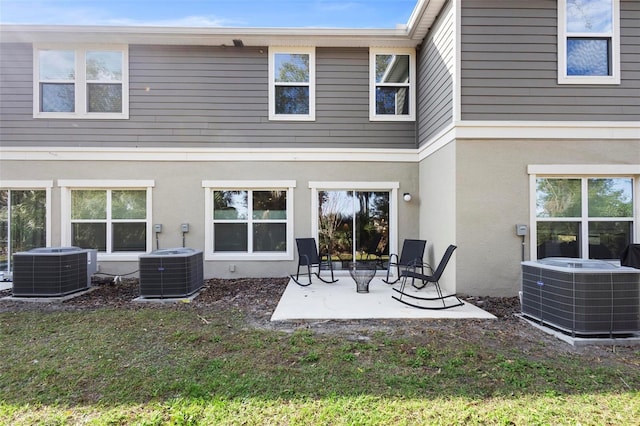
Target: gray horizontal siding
column 509, row 66
column 435, row 78
column 205, row 97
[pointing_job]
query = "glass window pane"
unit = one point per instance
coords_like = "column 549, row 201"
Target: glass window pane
column 269, row 237
column 392, row 68
column 558, row 239
column 588, row 57
column 589, row 16
column 292, row 99
column 269, row 205
column 89, row 235
column 230, row 237
column 4, row 230
column 28, row 219
column 230, row 205
column 336, row 223
column 291, row 68
column 57, row 97
column 608, row 239
column 104, row 97
column 104, row 66
column 130, row 236
column 88, row 204
column 392, row 100
column 57, row 65
column 558, row 198
column 372, row 223
column 129, row 204
column 611, row 197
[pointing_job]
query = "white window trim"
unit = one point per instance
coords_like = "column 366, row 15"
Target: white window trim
column 36, row 185
column 563, row 78
column 80, row 83
column 372, row 84
column 579, row 171
column 212, row 185
column 311, row 51
column 392, row 187
column 67, row 185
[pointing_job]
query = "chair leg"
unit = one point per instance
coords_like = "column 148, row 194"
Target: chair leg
column 389, row 266
column 296, row 279
column 440, row 297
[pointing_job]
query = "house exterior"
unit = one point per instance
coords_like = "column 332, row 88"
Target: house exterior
column 490, row 114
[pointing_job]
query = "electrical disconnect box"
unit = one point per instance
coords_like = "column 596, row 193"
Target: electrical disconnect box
column 157, row 227
column 521, row 230
column 184, row 227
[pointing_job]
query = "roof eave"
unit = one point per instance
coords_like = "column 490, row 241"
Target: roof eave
column 409, row 35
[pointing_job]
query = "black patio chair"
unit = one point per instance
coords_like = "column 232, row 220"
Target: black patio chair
column 426, row 279
column 372, row 249
column 308, row 256
column 410, row 257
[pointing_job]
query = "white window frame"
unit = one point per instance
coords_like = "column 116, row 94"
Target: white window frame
column 392, row 187
column 80, row 82
column 373, row 52
column 68, row 185
column 250, row 185
column 613, row 36
column 581, row 172
column 311, row 51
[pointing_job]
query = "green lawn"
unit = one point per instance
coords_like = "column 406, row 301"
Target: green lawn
column 182, row 365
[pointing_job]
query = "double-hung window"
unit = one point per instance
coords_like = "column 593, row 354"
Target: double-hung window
column 588, row 41
column 113, row 217
column 249, row 219
column 87, row 82
column 292, row 91
column 392, row 84
column 584, row 217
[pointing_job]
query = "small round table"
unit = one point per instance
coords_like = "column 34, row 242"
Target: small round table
column 362, row 273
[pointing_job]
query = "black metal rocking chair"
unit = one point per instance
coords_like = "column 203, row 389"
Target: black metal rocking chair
column 410, row 257
column 308, row 256
column 426, row 279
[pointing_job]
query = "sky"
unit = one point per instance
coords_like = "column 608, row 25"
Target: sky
column 211, row 13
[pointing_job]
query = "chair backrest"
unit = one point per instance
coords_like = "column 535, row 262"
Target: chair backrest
column 443, row 263
column 412, row 252
column 307, row 247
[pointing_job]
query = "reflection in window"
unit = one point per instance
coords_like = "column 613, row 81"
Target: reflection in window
column 22, row 222
column 354, row 224
column 250, row 221
column 392, row 84
column 601, row 231
column 81, row 81
column 586, row 36
column 291, row 84
column 109, row 220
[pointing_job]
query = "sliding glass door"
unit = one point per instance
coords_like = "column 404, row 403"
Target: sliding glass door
column 353, row 225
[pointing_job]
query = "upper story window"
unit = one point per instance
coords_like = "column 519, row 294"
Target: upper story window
column 392, row 84
column 87, row 82
column 589, row 41
column 292, row 92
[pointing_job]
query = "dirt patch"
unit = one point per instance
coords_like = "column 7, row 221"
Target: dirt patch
column 257, row 298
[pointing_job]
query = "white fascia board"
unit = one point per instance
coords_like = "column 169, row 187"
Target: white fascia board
column 204, row 154
column 260, row 37
column 587, row 130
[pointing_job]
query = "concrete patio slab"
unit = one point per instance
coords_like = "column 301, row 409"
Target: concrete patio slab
column 340, row 301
